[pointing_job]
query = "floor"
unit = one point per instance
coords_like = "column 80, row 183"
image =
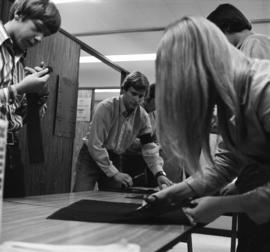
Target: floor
column 205, row 243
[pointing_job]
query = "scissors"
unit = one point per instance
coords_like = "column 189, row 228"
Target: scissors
column 158, row 207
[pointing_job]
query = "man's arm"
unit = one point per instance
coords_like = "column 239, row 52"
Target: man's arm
column 150, row 152
column 211, row 178
column 98, row 133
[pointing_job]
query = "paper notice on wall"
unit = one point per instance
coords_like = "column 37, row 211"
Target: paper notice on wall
column 13, row 246
column 84, row 105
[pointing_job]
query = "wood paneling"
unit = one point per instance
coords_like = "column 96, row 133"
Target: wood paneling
column 24, row 219
column 54, row 175
column 4, row 9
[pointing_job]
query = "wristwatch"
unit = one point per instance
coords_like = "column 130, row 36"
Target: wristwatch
column 160, row 173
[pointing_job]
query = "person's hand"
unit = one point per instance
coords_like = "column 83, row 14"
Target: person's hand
column 162, row 196
column 123, row 178
column 163, row 182
column 229, row 189
column 176, row 192
column 35, row 82
column 205, row 210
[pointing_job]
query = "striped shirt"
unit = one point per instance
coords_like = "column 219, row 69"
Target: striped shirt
column 12, row 105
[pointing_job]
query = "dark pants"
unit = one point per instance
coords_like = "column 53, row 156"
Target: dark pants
column 14, row 171
column 134, row 164
column 88, row 173
column 251, row 236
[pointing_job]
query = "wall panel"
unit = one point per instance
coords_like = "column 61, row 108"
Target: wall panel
column 54, row 175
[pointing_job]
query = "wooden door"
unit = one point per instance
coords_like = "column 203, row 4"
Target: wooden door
column 58, row 124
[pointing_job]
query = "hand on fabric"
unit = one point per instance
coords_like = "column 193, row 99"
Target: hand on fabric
column 123, row 178
column 34, row 82
column 162, row 195
column 177, row 192
column 229, row 189
column 164, row 182
column 205, row 210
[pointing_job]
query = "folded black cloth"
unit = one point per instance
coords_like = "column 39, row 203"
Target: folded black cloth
column 115, row 212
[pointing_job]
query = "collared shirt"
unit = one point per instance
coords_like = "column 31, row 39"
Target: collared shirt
column 12, row 106
column 255, row 46
column 112, row 128
column 255, row 149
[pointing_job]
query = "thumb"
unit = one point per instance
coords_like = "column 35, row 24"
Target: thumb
column 42, row 72
column 163, row 186
column 151, row 198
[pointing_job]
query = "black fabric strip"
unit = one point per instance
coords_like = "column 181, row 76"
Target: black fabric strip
column 146, row 138
column 115, row 212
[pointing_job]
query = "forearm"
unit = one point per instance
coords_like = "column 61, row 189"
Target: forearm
column 152, row 158
column 181, row 190
column 256, row 204
column 101, row 157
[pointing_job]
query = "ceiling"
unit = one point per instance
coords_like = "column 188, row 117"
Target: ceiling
column 116, row 27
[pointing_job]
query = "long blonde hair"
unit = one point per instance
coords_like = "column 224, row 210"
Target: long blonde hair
column 196, row 68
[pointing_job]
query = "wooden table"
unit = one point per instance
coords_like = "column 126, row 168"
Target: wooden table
column 24, row 219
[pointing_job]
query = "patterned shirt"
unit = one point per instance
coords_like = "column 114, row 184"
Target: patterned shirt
column 112, row 128
column 11, row 72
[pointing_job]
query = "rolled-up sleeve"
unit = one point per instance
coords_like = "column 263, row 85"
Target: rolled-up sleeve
column 99, row 129
column 150, row 151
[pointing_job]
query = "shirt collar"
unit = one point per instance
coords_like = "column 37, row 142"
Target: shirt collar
column 4, row 37
column 123, row 110
column 239, row 44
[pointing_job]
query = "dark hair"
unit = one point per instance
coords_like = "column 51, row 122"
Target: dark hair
column 43, row 10
column 137, row 80
column 229, row 19
column 152, row 90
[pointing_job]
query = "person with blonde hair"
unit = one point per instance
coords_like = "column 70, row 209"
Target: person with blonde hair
column 238, row 30
column 197, row 69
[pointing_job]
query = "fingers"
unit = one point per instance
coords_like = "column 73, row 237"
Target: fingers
column 42, row 64
column 151, row 198
column 127, row 181
column 29, row 70
column 191, row 212
column 163, row 186
column 189, row 215
column 43, row 72
column 38, row 68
